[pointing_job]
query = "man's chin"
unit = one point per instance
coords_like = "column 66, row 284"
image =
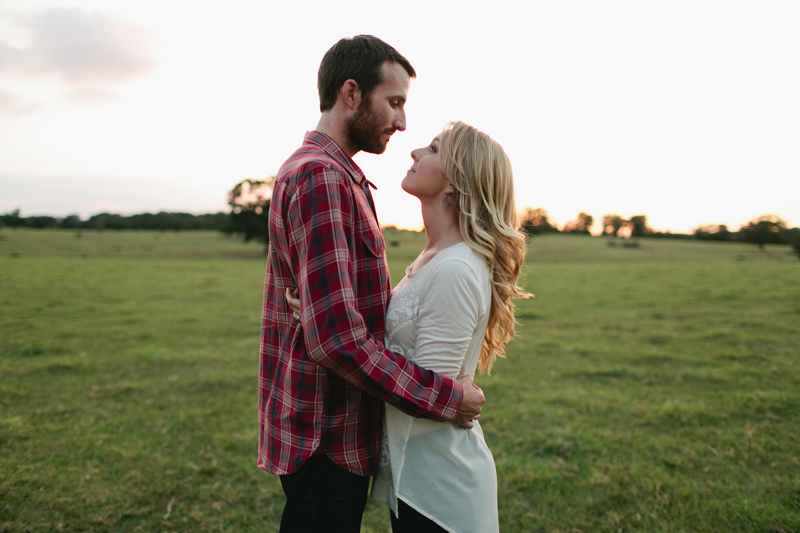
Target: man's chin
column 376, row 149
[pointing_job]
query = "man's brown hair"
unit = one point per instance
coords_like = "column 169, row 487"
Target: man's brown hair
column 359, row 58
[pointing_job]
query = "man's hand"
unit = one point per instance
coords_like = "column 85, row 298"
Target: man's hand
column 471, row 404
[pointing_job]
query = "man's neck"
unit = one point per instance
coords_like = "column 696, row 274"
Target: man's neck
column 333, row 125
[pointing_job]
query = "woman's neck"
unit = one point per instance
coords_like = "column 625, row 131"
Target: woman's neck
column 441, row 227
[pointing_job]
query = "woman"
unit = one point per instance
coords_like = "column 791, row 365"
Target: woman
column 452, row 313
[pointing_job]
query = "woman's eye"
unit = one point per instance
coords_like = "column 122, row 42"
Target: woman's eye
column 432, row 149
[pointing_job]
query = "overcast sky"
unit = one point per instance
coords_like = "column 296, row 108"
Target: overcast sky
column 685, row 111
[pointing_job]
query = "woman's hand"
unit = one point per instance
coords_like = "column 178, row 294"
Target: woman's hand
column 294, row 304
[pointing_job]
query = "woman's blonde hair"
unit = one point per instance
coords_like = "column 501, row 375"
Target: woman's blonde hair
column 481, row 175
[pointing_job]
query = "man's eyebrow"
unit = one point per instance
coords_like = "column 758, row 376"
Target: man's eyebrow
column 397, row 97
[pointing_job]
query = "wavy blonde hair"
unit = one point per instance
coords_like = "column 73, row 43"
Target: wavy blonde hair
column 481, row 174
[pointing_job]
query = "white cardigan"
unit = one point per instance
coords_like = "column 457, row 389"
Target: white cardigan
column 437, row 317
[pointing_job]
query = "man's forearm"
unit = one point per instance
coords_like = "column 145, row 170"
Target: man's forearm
column 393, row 378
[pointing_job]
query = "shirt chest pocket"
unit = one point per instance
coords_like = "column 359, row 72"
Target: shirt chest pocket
column 371, row 270
column 368, row 231
column 374, row 242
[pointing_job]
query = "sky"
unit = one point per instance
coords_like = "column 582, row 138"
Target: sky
column 684, row 111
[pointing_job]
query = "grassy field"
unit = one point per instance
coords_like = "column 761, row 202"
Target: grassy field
column 650, row 389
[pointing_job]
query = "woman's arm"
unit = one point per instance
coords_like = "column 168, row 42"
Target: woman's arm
column 451, row 308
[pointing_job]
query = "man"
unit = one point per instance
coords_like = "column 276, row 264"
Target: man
column 323, row 382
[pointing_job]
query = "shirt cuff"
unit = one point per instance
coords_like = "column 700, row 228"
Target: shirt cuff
column 453, row 403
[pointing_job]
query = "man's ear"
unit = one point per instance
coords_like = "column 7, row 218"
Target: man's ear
column 351, row 94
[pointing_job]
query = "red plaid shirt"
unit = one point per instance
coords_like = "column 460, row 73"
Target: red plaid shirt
column 322, row 385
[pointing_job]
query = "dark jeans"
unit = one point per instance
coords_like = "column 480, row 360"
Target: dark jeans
column 411, row 521
column 323, row 497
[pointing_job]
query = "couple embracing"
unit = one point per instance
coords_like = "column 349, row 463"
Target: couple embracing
column 351, row 384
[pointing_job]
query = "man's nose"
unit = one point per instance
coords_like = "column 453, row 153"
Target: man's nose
column 400, row 121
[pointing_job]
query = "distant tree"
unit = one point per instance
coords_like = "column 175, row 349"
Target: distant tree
column 12, row 219
column 249, row 200
column 796, row 245
column 765, row 229
column 178, row 221
column 215, row 221
column 103, row 221
column 612, row 224
column 70, row 222
column 638, row 226
column 790, row 235
column 582, row 224
column 536, row 221
column 712, row 232
column 41, row 222
column 723, row 233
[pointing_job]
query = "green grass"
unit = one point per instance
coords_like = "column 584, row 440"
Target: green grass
column 649, row 389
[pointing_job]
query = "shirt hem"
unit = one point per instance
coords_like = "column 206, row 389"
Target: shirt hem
column 425, row 514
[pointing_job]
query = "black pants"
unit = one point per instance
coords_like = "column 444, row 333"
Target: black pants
column 411, row 521
column 323, row 497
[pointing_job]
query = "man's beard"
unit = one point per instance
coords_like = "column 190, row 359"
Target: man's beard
column 364, row 129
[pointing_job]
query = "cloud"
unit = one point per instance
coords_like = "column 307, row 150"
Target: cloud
column 90, row 95
column 88, row 54
column 8, row 99
column 13, row 105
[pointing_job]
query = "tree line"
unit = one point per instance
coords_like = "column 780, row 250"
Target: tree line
column 249, row 202
column 766, row 229
column 537, row 222
column 249, row 215
column 113, row 221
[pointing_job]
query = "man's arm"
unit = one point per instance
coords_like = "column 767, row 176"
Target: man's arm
column 335, row 333
column 473, row 399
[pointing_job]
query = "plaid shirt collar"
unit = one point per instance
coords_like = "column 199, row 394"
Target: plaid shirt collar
column 329, row 146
